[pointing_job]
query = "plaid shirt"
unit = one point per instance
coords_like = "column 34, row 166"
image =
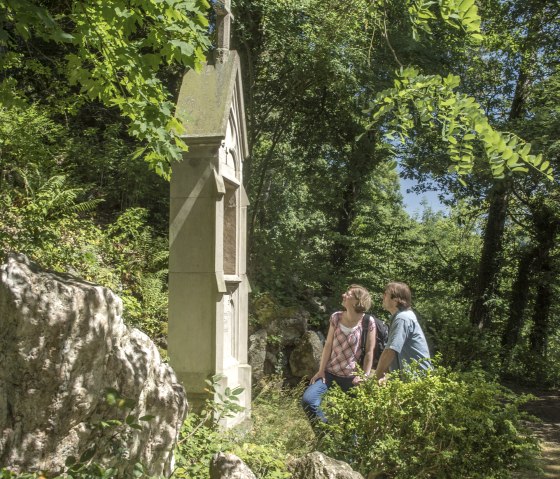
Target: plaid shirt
column 346, row 351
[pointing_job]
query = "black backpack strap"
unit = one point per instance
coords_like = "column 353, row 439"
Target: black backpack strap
column 365, row 329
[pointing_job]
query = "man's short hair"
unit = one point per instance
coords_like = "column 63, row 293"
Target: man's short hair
column 401, row 293
column 363, row 297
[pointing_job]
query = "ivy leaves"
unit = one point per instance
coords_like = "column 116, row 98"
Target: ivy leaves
column 116, row 52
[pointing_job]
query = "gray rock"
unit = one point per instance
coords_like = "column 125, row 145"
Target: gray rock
column 62, row 344
column 306, row 357
column 319, row 303
column 229, row 466
column 289, row 326
column 257, row 354
column 316, row 465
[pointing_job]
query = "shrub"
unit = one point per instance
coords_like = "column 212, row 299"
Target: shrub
column 266, row 461
column 278, row 429
column 441, row 425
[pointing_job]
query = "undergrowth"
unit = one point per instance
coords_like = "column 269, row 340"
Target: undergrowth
column 443, row 424
column 278, row 432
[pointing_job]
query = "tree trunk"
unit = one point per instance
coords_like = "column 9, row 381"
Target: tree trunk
column 361, row 163
column 548, row 226
column 541, row 314
column 491, row 258
column 519, row 300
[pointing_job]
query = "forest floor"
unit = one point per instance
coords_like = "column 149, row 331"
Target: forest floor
column 546, row 407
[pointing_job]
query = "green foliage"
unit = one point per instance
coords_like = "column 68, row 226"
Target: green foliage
column 265, row 447
column 459, row 14
column 201, row 435
column 263, row 459
column 442, row 424
column 431, row 100
column 278, row 419
column 7, row 474
column 279, row 430
column 113, row 53
column 140, row 259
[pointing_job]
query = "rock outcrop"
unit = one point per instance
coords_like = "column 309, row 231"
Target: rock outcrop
column 257, row 354
column 62, row 345
column 316, row 465
column 271, row 346
column 306, row 357
column 229, row 466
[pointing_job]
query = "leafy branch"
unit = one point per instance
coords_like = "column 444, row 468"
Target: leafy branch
column 116, row 54
column 432, row 101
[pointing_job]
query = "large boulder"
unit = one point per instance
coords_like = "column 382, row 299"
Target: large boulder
column 257, row 354
column 63, row 343
column 316, row 465
column 306, row 357
column 288, row 326
column 229, row 466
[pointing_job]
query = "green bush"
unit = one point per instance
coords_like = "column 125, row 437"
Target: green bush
column 441, row 425
column 279, row 429
column 266, row 461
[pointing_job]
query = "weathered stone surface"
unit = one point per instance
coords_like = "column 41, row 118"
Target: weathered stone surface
column 257, row 354
column 62, row 344
column 305, row 358
column 289, row 326
column 276, row 362
column 316, row 465
column 229, row 466
column 319, row 303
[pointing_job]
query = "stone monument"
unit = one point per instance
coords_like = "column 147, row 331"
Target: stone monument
column 208, row 286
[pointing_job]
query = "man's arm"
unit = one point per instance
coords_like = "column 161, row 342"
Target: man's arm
column 386, row 359
column 397, row 337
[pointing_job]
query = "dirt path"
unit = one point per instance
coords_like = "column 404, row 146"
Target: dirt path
column 546, row 407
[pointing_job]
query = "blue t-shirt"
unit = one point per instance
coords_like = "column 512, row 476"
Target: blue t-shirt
column 407, row 339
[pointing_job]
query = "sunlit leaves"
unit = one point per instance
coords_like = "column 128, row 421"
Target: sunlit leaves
column 432, row 101
column 462, row 14
column 115, row 53
column 459, row 14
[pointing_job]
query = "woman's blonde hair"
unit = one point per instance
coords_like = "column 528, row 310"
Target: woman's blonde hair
column 362, row 295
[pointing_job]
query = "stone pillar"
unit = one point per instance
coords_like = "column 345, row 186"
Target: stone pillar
column 208, row 286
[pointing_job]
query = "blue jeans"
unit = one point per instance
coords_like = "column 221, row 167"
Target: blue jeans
column 313, row 395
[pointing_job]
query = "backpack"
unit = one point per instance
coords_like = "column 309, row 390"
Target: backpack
column 380, row 340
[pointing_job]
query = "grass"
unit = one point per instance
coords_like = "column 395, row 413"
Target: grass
column 279, row 419
column 279, row 431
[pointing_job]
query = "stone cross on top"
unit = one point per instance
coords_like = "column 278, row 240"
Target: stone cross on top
column 223, row 25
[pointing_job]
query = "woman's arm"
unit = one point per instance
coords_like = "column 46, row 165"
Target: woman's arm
column 327, row 349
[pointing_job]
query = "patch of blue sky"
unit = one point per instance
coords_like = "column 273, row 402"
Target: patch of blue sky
column 416, row 203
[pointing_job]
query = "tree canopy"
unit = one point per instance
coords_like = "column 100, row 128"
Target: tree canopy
column 114, row 52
